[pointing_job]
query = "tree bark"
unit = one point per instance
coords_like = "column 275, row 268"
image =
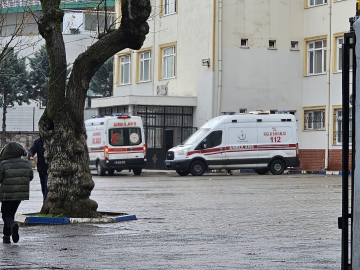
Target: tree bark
column 62, row 124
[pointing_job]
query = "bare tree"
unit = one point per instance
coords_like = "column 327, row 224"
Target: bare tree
column 15, row 36
column 62, row 124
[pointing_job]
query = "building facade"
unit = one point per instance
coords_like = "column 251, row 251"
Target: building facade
column 239, row 56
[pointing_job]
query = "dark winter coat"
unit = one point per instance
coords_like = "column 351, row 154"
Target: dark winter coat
column 38, row 149
column 15, row 173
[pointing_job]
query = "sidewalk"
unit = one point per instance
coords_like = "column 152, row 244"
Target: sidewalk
column 244, row 221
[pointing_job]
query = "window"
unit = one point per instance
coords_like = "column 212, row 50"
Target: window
column 339, row 50
column 95, row 21
column 244, row 43
column 314, row 119
column 152, row 10
column 125, row 69
column 212, row 140
column 169, row 7
column 338, row 119
column 294, row 45
column 242, row 110
column 145, row 66
column 316, row 57
column 168, row 62
column 316, row 2
column 124, row 136
column 272, row 44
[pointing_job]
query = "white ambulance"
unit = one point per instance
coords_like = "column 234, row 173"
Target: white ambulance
column 116, row 142
column 263, row 142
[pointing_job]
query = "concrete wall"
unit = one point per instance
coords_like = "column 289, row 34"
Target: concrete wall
column 26, row 139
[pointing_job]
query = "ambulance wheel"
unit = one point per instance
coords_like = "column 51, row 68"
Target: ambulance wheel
column 277, row 167
column 137, row 171
column 262, row 171
column 197, row 168
column 111, row 172
column 182, row 173
column 100, row 170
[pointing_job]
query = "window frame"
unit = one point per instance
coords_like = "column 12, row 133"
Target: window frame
column 313, row 50
column 308, row 3
column 338, row 56
column 272, row 44
column 165, row 4
column 161, row 60
column 121, row 70
column 125, row 136
column 246, row 43
column 307, row 111
column 337, row 125
column 139, row 67
column 294, row 45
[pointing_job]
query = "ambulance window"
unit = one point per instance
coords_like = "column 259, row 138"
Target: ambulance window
column 213, row 139
column 134, row 136
column 196, row 136
column 124, row 136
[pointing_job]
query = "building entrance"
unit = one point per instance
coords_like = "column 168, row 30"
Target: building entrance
column 165, row 127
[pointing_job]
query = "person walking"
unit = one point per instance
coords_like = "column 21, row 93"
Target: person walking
column 38, row 148
column 15, row 176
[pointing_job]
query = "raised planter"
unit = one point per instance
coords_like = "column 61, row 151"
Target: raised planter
column 107, row 217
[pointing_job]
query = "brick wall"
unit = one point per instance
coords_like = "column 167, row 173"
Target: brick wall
column 314, row 159
column 335, row 160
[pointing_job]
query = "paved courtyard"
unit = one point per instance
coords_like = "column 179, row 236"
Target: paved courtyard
column 244, row 221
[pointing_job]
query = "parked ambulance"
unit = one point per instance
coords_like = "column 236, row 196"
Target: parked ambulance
column 116, row 143
column 263, row 142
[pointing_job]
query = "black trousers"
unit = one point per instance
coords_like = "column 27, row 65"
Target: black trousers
column 8, row 211
column 43, row 182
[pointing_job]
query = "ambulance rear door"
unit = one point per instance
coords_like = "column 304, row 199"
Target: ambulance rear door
column 125, row 140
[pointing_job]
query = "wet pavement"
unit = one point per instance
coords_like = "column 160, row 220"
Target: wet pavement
column 244, row 221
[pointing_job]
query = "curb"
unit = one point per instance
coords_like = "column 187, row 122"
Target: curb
column 290, row 172
column 30, row 219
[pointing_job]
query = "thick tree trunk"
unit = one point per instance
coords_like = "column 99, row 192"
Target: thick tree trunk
column 62, row 124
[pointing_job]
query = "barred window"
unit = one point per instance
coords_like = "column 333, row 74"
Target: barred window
column 314, row 119
column 338, row 120
column 156, row 118
column 187, row 132
column 111, row 110
column 154, row 137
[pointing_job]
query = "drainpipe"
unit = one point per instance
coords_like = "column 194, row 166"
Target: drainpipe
column 328, row 71
column 220, row 57
column 153, row 57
